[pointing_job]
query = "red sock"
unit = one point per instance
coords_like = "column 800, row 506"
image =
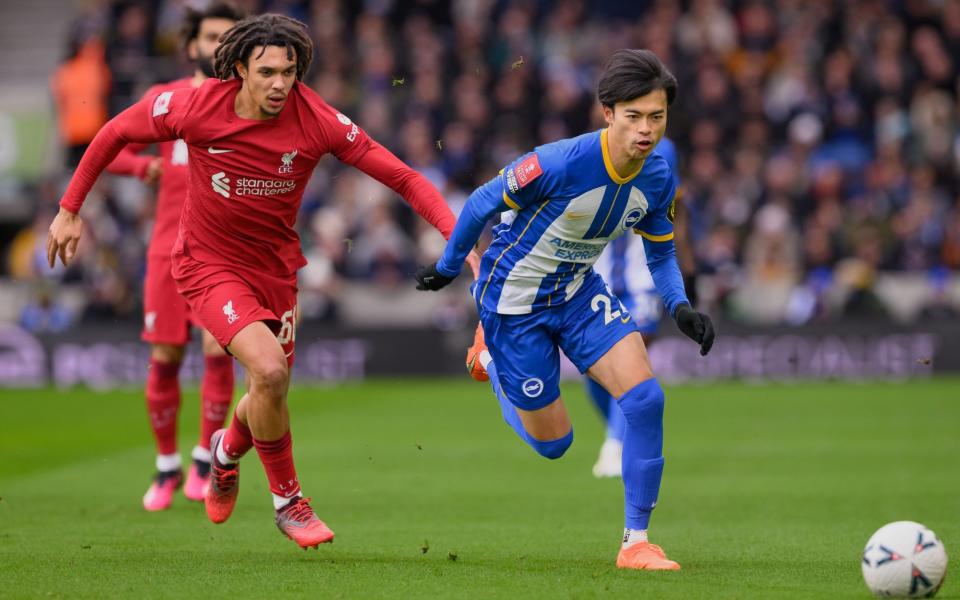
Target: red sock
column 277, row 459
column 216, row 392
column 163, row 403
column 237, row 440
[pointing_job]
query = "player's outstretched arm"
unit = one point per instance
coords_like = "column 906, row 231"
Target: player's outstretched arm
column 143, row 122
column 420, row 194
column 483, row 203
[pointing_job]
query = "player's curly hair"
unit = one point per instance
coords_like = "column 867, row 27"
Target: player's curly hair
column 193, row 18
column 238, row 43
column 633, row 73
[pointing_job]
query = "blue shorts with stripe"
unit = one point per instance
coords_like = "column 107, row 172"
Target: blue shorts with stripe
column 525, row 347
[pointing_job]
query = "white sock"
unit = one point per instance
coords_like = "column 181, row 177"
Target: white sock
column 201, row 454
column 168, row 462
column 222, row 458
column 633, row 536
column 485, row 358
column 281, row 501
column 611, row 446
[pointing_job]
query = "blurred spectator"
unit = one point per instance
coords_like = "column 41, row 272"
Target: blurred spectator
column 43, row 314
column 820, row 142
column 80, row 90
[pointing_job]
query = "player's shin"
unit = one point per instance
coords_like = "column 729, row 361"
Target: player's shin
column 616, row 423
column 277, row 459
column 607, row 406
column 163, row 404
column 642, row 408
column 237, row 441
column 216, row 391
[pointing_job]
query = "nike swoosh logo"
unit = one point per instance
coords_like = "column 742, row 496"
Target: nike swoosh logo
column 574, row 216
column 213, row 150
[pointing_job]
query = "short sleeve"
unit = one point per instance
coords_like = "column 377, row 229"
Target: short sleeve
column 533, row 177
column 657, row 225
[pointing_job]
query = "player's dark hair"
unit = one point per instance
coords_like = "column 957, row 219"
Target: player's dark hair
column 240, row 40
column 632, row 73
column 217, row 10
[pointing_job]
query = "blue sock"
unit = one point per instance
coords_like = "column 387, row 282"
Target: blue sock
column 616, row 423
column 607, row 405
column 549, row 449
column 600, row 397
column 642, row 408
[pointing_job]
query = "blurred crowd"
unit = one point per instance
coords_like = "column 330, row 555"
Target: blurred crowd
column 818, row 141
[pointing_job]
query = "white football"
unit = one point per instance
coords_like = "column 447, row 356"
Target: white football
column 904, row 560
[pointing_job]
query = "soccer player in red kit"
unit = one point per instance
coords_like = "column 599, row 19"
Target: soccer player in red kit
column 166, row 316
column 255, row 136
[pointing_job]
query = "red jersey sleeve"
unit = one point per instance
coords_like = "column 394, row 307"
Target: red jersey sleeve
column 420, row 194
column 156, row 118
column 130, row 162
column 337, row 134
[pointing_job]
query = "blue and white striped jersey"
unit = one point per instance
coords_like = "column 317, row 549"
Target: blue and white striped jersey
column 623, row 265
column 567, row 202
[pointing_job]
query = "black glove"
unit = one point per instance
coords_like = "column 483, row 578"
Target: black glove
column 696, row 326
column 429, row 279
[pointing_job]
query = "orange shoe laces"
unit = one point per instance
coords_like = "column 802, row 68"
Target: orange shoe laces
column 300, row 511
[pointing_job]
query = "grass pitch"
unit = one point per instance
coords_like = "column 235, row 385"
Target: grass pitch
column 769, row 492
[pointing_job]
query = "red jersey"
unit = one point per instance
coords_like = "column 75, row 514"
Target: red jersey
column 172, row 187
column 247, row 177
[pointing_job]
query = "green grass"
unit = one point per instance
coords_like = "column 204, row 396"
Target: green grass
column 769, row 492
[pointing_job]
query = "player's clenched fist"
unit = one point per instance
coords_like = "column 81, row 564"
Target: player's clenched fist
column 428, row 278
column 64, row 234
column 696, row 326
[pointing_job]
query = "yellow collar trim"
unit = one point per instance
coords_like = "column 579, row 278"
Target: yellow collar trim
column 609, row 163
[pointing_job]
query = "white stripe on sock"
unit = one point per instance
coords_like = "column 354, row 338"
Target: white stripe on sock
column 222, row 457
column 200, row 454
column 281, row 501
column 168, row 462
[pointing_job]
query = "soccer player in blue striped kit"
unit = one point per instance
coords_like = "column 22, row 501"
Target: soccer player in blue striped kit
column 623, row 265
column 537, row 291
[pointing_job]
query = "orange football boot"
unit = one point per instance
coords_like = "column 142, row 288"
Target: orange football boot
column 646, row 556
column 298, row 522
column 223, row 487
column 473, row 356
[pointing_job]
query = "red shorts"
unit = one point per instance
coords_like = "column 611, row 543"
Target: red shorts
column 166, row 315
column 224, row 300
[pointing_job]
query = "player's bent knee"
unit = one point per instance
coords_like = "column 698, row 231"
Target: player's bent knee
column 271, row 377
column 553, row 449
column 643, row 403
column 167, row 353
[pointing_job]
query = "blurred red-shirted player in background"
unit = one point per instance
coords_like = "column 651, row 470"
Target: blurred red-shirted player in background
column 166, row 316
column 254, row 141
